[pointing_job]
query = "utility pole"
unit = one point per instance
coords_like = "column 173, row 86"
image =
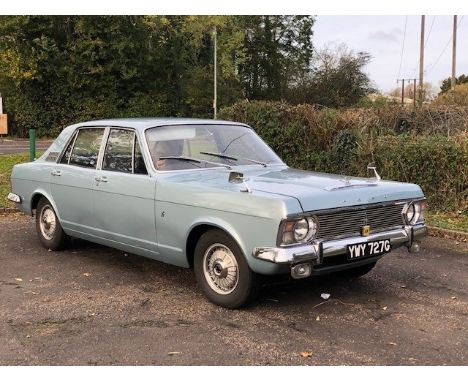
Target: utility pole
column 402, row 80
column 454, row 52
column 402, row 90
column 215, row 87
column 421, row 61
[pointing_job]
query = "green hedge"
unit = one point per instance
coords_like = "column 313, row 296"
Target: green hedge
column 431, row 154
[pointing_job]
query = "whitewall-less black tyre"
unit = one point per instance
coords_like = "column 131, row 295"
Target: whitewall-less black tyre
column 222, row 271
column 48, row 227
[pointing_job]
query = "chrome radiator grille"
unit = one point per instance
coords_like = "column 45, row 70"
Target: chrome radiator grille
column 350, row 222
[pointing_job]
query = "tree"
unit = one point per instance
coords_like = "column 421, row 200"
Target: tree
column 337, row 80
column 55, row 70
column 277, row 50
column 447, row 83
column 457, row 96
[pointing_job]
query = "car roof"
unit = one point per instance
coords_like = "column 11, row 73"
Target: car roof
column 144, row 123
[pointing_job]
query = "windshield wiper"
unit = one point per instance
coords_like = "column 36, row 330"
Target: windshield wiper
column 220, row 155
column 196, row 160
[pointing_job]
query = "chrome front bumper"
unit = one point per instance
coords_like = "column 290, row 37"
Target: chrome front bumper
column 316, row 251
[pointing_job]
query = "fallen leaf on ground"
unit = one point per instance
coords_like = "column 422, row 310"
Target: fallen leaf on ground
column 18, row 279
column 453, row 297
column 86, row 274
column 325, row 296
column 305, row 354
column 384, row 308
column 318, row 318
column 402, row 286
column 174, row 353
column 392, row 343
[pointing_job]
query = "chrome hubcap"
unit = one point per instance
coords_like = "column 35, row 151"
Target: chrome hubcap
column 47, row 222
column 220, row 269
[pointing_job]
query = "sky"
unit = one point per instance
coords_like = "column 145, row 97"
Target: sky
column 383, row 36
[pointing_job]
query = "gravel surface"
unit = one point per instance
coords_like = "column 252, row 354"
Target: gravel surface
column 92, row 305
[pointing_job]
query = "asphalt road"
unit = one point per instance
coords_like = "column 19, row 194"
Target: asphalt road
column 91, row 305
column 21, row 146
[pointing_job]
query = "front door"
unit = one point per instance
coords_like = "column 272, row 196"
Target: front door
column 124, row 193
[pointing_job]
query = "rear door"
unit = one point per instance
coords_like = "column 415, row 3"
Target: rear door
column 124, row 193
column 72, row 180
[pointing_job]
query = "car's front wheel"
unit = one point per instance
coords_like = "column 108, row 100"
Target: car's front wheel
column 48, row 227
column 222, row 271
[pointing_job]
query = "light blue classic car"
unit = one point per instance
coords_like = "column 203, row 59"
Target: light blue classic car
column 212, row 195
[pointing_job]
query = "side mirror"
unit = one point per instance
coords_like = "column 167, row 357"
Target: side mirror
column 238, row 178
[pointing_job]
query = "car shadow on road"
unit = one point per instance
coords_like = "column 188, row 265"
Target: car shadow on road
column 276, row 290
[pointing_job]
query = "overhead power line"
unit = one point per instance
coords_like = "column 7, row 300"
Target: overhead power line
column 430, row 30
column 432, row 66
column 402, row 47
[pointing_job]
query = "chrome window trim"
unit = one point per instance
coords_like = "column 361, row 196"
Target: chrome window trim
column 71, row 141
column 105, row 139
column 133, row 153
column 73, row 138
column 107, row 144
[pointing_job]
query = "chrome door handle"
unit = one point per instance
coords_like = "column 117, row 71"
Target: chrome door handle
column 56, row 173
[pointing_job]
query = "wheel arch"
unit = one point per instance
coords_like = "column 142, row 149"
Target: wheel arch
column 199, row 228
column 37, row 195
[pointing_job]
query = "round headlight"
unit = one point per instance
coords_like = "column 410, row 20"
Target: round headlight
column 301, row 229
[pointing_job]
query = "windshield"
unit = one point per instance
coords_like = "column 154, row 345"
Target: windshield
column 182, row 147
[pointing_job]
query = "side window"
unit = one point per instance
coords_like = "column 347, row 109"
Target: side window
column 66, row 155
column 139, row 163
column 119, row 151
column 86, row 148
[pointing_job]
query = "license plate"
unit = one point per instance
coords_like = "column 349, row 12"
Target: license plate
column 371, row 248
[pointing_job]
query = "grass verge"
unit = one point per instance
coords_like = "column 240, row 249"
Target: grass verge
column 456, row 221
column 7, row 161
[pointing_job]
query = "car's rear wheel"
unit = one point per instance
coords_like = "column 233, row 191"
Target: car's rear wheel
column 222, row 271
column 48, row 227
column 356, row 272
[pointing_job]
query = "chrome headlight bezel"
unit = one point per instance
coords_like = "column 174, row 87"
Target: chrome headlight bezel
column 413, row 212
column 296, row 231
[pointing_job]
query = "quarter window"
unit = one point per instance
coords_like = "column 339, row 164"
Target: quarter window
column 119, row 151
column 66, row 155
column 86, row 148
